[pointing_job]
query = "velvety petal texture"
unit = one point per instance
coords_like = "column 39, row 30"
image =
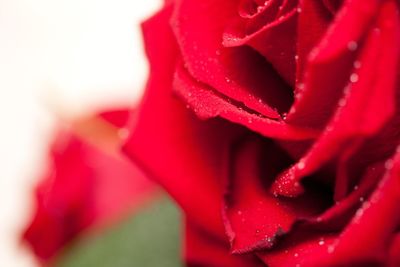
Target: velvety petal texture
column 201, row 249
column 275, row 125
column 187, row 152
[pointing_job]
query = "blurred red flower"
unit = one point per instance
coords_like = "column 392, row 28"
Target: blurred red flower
column 88, row 185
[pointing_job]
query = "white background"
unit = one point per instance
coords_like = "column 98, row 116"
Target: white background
column 60, row 57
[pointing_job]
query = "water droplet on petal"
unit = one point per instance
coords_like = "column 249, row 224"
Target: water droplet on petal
column 269, row 239
column 357, row 64
column 301, row 165
column 359, row 213
column 354, row 77
column 389, row 164
column 342, row 102
column 352, row 45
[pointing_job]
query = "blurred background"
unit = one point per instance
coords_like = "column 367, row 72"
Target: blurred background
column 63, row 57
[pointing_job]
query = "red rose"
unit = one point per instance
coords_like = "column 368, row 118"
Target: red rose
column 88, row 186
column 284, row 115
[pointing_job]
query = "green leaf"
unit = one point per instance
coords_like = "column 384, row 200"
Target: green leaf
column 149, row 238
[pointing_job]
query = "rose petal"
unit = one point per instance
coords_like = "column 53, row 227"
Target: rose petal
column 64, row 199
column 394, row 259
column 201, row 249
column 86, row 188
column 254, row 218
column 337, row 216
column 368, row 235
column 333, row 5
column 177, row 149
column 313, row 20
column 345, row 171
column 250, row 9
column 361, row 113
column 330, row 61
column 273, row 37
column 306, row 249
column 364, row 242
column 207, row 104
column 198, row 27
